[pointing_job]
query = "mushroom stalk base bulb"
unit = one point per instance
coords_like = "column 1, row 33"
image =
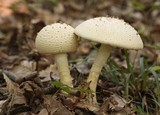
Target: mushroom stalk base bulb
column 97, row 66
column 63, row 68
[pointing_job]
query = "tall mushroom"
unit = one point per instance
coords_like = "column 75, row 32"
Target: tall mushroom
column 58, row 39
column 110, row 32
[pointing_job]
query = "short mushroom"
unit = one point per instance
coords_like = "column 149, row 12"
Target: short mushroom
column 58, row 39
column 110, row 32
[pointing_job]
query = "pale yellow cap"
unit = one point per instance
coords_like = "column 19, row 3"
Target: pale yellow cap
column 56, row 38
column 111, row 31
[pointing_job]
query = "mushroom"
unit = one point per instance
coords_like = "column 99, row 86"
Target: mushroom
column 58, row 39
column 110, row 32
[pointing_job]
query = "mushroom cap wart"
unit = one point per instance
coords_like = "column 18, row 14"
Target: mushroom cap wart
column 111, row 31
column 56, row 38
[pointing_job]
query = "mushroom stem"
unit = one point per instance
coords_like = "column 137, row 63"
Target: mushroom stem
column 100, row 60
column 63, row 68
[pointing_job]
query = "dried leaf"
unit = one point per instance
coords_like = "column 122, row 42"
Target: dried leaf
column 1, row 104
column 82, row 67
column 45, row 75
column 158, row 59
column 5, row 7
column 54, row 107
column 43, row 112
column 5, row 12
column 117, row 103
column 22, row 8
column 88, row 106
column 7, row 3
column 25, row 70
column 12, row 87
column 17, row 94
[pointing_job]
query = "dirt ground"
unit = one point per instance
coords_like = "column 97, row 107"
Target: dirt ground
column 129, row 83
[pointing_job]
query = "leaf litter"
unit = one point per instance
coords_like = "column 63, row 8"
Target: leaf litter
column 26, row 76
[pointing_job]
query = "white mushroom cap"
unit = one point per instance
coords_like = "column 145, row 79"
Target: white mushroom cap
column 56, row 38
column 111, row 31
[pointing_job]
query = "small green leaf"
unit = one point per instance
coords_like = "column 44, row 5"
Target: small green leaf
column 157, row 46
column 138, row 5
column 54, row 2
column 62, row 86
column 156, row 5
column 155, row 68
column 68, row 89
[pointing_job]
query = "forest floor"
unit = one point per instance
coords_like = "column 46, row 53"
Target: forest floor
column 129, row 83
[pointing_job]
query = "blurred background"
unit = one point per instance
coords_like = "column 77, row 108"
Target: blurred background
column 132, row 75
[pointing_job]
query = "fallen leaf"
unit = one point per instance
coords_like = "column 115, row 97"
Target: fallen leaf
column 22, row 8
column 5, row 12
column 13, row 88
column 82, row 67
column 43, row 112
column 84, row 47
column 158, row 59
column 1, row 104
column 87, row 105
column 7, row 3
column 46, row 75
column 17, row 98
column 116, row 102
column 25, row 70
column 5, row 7
column 54, row 107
